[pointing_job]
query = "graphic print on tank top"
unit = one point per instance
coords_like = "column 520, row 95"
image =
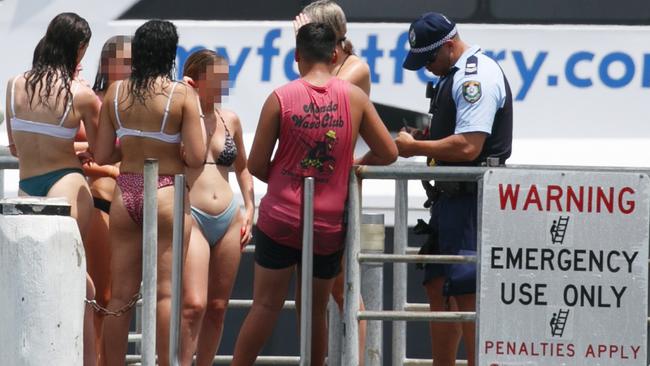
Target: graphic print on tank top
column 319, row 159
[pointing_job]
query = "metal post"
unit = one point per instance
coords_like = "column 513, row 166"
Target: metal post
column 307, row 271
column 149, row 262
column 372, row 285
column 352, row 278
column 2, row 183
column 399, row 271
column 177, row 270
column 335, row 333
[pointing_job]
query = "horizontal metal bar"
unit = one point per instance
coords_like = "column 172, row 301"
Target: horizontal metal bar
column 419, row 361
column 616, row 169
column 434, row 316
column 470, row 173
column 226, row 360
column 416, row 258
column 409, row 306
column 135, row 338
column 244, row 304
column 421, row 171
column 262, row 360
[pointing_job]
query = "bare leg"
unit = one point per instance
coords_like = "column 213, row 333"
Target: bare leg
column 90, row 354
column 321, row 291
column 337, row 294
column 126, row 267
column 269, row 293
column 75, row 189
column 468, row 303
column 224, row 263
column 444, row 336
column 195, row 291
column 98, row 258
column 165, row 254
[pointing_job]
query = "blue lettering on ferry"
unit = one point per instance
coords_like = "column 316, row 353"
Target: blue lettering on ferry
column 628, row 64
column 581, row 69
column 371, row 54
column 569, row 70
column 399, row 54
column 528, row 74
column 267, row 51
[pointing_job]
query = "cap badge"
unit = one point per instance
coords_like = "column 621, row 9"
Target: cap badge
column 412, row 38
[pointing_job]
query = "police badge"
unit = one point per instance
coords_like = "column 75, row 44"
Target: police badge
column 412, row 37
column 472, row 91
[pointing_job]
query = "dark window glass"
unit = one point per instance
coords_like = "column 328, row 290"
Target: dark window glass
column 406, row 10
column 215, row 9
column 571, row 11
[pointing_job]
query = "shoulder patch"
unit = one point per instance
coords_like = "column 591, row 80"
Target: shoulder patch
column 471, row 65
column 472, row 91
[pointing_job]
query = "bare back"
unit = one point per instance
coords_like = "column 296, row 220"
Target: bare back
column 41, row 153
column 148, row 117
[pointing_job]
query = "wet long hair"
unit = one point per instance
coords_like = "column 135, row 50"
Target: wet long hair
column 109, row 52
column 153, row 51
column 55, row 58
column 330, row 13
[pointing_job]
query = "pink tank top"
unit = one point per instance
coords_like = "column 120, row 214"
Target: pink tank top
column 315, row 141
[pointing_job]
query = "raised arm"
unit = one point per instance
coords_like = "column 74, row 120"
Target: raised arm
column 268, row 130
column 373, row 131
column 193, row 129
column 245, row 181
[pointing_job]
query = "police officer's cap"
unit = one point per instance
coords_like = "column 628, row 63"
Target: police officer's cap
column 427, row 34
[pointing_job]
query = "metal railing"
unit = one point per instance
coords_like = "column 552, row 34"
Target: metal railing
column 402, row 310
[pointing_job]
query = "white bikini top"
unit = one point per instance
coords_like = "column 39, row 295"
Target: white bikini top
column 159, row 135
column 43, row 128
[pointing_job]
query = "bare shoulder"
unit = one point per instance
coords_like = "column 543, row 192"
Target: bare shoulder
column 357, row 96
column 231, row 118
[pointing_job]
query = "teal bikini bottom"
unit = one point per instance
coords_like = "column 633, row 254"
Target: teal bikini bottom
column 40, row 185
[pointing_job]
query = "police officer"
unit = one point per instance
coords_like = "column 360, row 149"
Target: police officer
column 471, row 124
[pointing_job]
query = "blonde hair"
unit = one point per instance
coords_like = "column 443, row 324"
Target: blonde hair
column 330, row 13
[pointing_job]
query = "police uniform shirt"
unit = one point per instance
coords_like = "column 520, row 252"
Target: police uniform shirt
column 479, row 90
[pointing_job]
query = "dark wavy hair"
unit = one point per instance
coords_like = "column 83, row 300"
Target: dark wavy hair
column 55, row 57
column 153, row 51
column 109, row 52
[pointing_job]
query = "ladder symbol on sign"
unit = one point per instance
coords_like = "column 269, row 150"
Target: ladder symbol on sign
column 558, row 322
column 558, row 229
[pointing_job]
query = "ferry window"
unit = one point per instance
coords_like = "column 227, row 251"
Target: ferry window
column 574, row 11
column 405, row 10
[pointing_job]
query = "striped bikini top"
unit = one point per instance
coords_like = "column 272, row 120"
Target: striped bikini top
column 156, row 135
column 43, row 128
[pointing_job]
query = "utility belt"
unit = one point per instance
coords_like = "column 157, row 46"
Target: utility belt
column 447, row 189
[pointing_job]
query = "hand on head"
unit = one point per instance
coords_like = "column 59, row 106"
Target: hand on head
column 300, row 20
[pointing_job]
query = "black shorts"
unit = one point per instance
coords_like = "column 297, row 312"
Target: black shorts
column 273, row 255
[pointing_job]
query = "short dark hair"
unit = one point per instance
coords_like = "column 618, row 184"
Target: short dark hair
column 316, row 42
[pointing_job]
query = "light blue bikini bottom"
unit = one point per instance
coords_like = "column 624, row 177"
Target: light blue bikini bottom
column 215, row 227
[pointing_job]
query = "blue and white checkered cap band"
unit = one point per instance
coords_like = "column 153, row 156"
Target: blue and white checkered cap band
column 435, row 45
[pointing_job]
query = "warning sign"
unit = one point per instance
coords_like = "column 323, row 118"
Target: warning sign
column 564, row 268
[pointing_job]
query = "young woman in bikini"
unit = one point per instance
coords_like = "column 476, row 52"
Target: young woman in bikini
column 45, row 107
column 219, row 230
column 114, row 64
column 151, row 115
